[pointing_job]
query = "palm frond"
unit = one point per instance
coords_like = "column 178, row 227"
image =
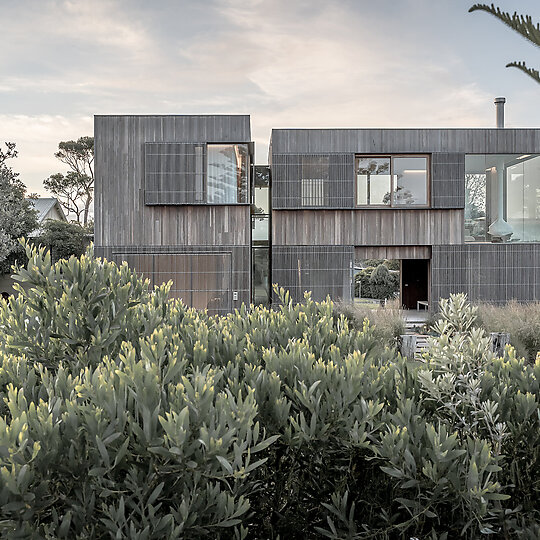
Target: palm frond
column 523, row 24
column 534, row 73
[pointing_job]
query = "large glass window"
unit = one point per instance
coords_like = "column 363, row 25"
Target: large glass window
column 502, row 197
column 392, row 181
column 227, row 173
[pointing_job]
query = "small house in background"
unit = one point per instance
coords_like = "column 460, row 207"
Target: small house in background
column 47, row 208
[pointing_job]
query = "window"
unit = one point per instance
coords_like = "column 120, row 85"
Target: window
column 228, row 166
column 396, row 181
column 196, row 173
column 312, row 192
column 502, row 197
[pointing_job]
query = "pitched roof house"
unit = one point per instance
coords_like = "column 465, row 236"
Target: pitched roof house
column 47, row 208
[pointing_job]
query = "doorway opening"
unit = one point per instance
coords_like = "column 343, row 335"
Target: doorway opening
column 415, row 283
column 376, row 281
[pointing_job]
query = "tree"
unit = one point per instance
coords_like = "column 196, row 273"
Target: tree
column 17, row 215
column 523, row 25
column 75, row 189
column 63, row 239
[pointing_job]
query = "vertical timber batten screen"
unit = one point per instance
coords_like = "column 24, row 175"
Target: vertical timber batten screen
column 495, row 273
column 174, row 173
column 448, row 180
column 312, row 181
column 323, row 270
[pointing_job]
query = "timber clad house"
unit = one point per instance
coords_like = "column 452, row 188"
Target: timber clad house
column 180, row 198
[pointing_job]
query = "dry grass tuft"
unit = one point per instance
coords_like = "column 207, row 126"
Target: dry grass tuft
column 521, row 321
column 387, row 321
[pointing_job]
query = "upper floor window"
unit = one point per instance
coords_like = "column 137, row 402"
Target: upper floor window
column 396, row 181
column 196, row 173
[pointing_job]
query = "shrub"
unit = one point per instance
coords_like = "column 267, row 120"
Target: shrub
column 63, row 239
column 377, row 282
column 129, row 416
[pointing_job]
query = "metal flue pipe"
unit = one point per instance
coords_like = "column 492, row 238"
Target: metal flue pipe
column 499, row 105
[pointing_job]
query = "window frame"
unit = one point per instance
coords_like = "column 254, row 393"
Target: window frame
column 393, row 206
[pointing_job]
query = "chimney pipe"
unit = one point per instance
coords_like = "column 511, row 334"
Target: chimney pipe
column 499, row 104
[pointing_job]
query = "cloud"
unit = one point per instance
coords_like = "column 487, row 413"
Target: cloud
column 288, row 64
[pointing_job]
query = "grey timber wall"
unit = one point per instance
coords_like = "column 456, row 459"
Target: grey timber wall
column 321, row 236
column 121, row 215
column 220, row 271
column 377, row 141
column 493, row 273
column 323, row 270
column 150, row 237
column 387, row 227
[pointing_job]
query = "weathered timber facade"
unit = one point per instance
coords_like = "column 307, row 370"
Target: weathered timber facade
column 178, row 198
column 147, row 215
column 332, row 219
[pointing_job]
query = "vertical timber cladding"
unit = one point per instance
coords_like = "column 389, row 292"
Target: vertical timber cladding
column 199, row 236
column 323, row 270
column 493, row 273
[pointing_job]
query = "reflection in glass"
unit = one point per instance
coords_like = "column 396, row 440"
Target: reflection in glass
column 262, row 202
column 410, row 180
column 373, row 181
column 475, row 206
column 518, row 197
column 523, row 198
column 227, row 173
column 261, row 176
column 261, row 275
column 260, row 230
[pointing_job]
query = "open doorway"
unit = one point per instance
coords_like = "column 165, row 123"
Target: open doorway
column 415, row 283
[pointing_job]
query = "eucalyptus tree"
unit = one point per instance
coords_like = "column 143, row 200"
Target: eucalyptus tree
column 75, row 189
column 17, row 214
column 522, row 24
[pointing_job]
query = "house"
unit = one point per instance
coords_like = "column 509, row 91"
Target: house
column 179, row 198
column 47, row 208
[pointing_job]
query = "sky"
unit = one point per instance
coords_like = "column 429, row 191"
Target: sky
column 287, row 63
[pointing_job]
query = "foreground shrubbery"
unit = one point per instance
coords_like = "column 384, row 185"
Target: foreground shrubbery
column 125, row 416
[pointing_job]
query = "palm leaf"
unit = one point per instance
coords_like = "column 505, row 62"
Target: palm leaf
column 522, row 24
column 534, row 73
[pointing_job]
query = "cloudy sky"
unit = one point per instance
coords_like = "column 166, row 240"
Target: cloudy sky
column 287, row 63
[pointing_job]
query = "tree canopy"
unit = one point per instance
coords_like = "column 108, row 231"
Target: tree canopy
column 17, row 215
column 63, row 239
column 523, row 25
column 75, row 189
